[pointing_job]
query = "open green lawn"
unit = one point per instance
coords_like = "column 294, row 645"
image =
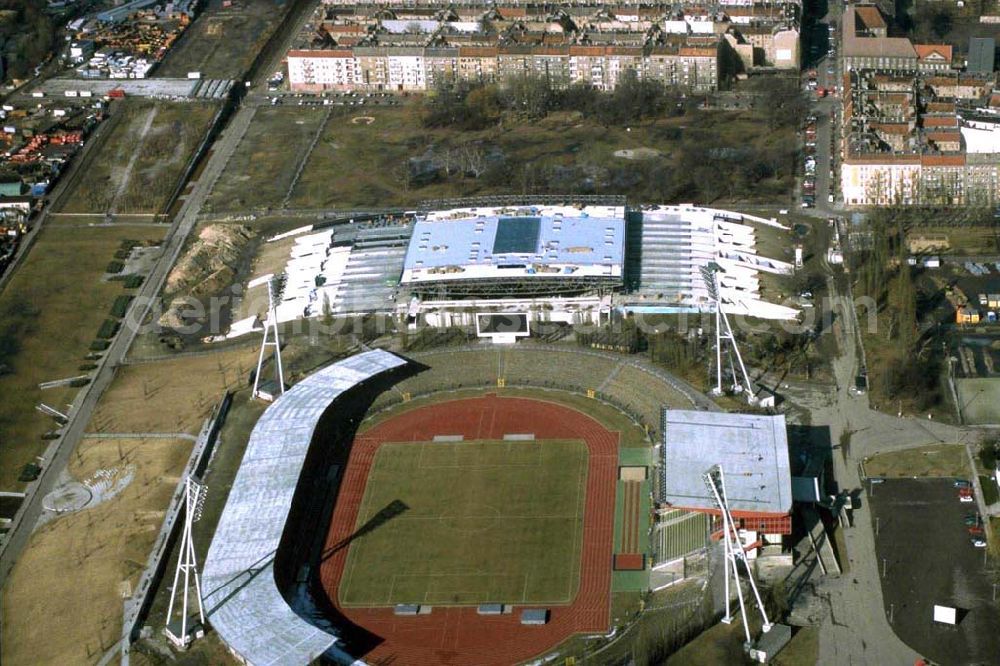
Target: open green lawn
column 484, row 521
column 62, row 279
column 941, row 460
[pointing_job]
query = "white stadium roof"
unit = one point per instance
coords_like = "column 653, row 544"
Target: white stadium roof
column 242, row 600
column 751, row 449
column 525, row 242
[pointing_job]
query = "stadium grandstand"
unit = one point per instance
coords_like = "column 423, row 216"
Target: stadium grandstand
column 752, row 451
column 676, row 242
column 242, row 598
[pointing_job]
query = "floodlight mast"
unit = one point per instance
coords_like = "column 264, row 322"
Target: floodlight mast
column 187, row 561
column 270, row 328
column 715, row 479
column 723, row 331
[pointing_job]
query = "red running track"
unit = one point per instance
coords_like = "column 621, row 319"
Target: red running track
column 458, row 635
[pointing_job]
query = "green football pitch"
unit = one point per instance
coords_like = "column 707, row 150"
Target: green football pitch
column 469, row 522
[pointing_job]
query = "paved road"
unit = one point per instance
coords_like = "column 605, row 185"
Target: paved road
column 59, row 451
column 857, row 630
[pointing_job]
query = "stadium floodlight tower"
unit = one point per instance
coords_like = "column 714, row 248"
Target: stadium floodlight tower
column 715, row 479
column 270, row 328
column 187, row 564
column 723, row 331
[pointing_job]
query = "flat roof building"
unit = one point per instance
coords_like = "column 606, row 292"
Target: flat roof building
column 982, row 51
column 517, row 250
column 751, row 449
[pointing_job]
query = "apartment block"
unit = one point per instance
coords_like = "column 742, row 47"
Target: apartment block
column 415, row 47
column 921, row 139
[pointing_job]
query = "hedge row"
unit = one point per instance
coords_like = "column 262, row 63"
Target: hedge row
column 107, row 329
column 120, row 306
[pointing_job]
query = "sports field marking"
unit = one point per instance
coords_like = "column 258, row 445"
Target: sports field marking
column 581, row 493
column 479, row 528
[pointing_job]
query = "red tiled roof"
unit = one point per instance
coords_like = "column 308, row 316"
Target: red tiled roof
column 698, row 51
column 940, row 121
column 870, row 16
column 925, row 51
column 477, row 51
column 942, row 160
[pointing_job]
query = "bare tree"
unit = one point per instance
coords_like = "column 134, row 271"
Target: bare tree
column 473, row 159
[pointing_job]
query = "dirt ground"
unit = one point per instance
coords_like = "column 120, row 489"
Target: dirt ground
column 140, row 162
column 223, row 41
column 262, row 168
column 173, row 395
column 63, row 601
column 370, row 159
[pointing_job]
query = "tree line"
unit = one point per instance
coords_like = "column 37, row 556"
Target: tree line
column 27, row 35
column 474, row 106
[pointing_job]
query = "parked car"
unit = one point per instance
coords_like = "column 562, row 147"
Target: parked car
column 972, row 519
column 976, row 530
column 978, row 542
column 966, row 499
column 962, row 483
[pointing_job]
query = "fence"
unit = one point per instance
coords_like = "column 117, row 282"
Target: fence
column 137, row 607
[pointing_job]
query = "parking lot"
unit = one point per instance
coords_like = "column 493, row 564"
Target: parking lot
column 334, row 99
column 926, row 549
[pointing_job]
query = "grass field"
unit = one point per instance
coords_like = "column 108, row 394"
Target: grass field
column 979, row 398
column 61, row 277
column 141, row 158
column 486, row 521
column 63, row 601
column 262, row 168
column 174, row 395
column 938, row 460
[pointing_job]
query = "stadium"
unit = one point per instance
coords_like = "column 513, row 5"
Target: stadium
column 481, row 504
column 573, row 263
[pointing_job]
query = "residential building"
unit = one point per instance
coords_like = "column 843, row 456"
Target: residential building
column 415, row 47
column 907, row 141
column 867, row 45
